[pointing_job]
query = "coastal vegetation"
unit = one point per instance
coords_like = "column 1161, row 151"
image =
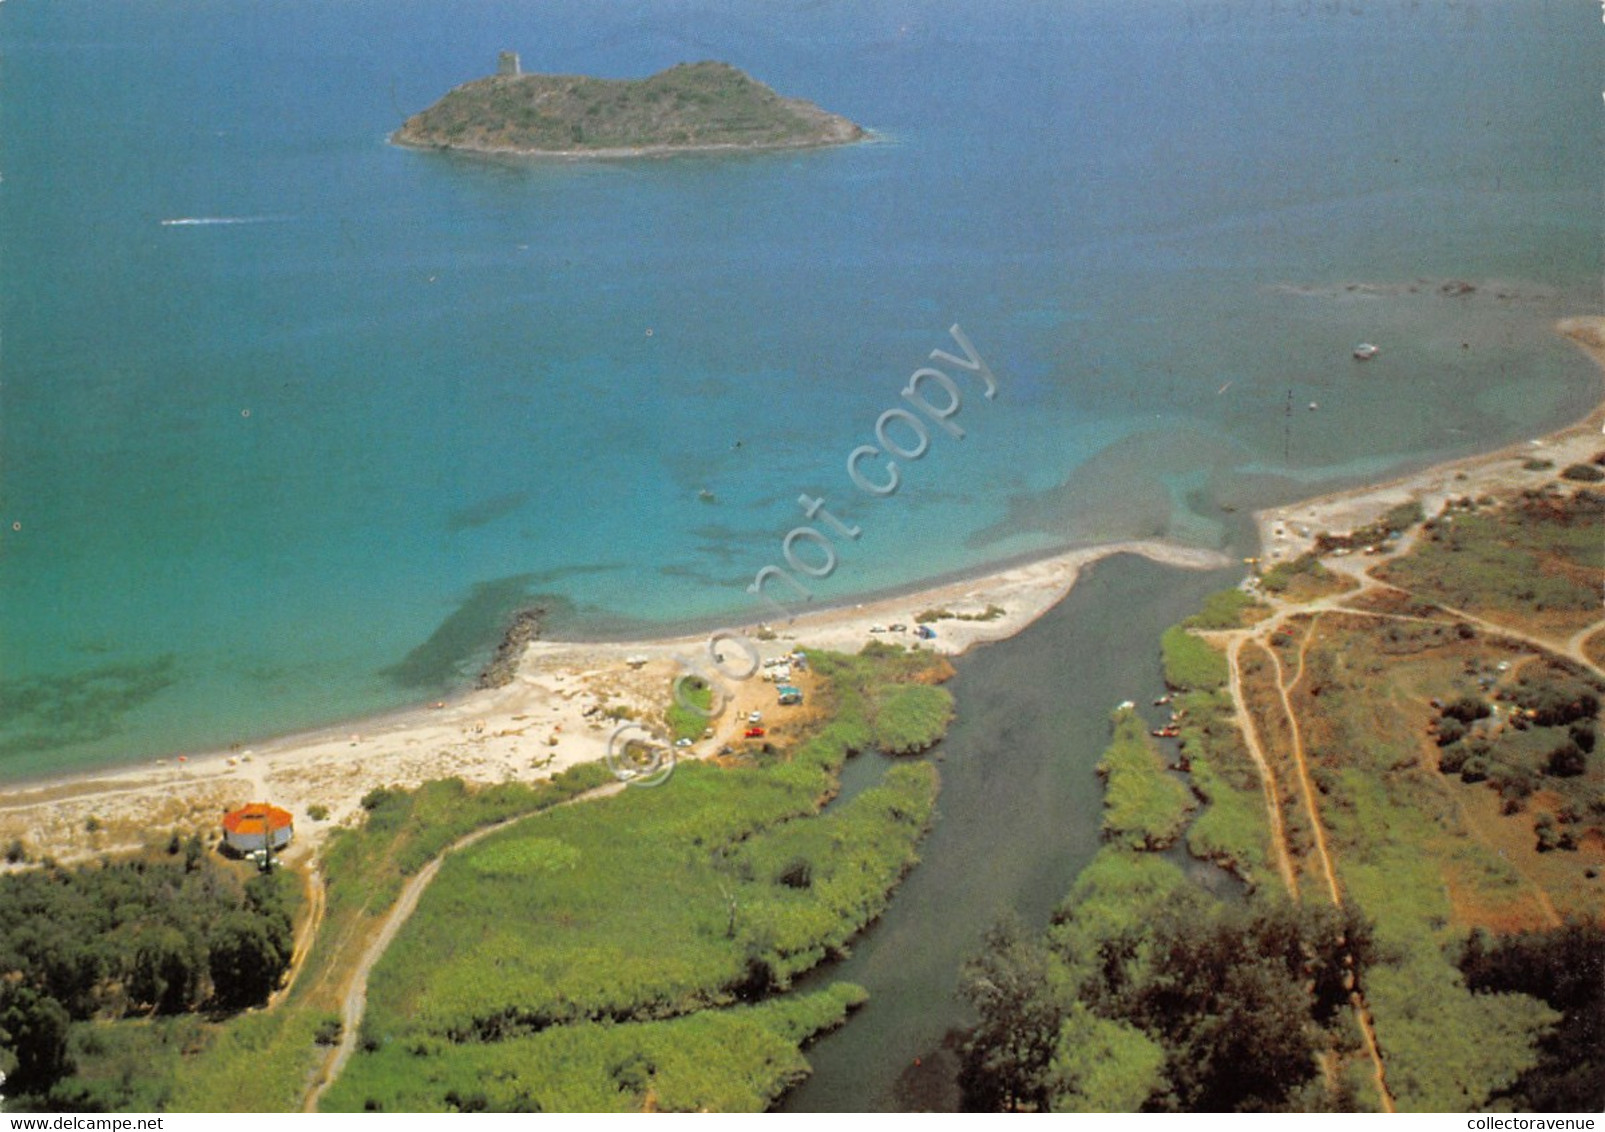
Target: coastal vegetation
column 1393, row 523
column 990, row 613
column 1144, row 807
column 1146, row 993
column 1232, row 829
column 734, row 1060
column 1526, row 564
column 1431, row 791
column 639, row 952
column 86, row 950
column 1191, row 663
column 1225, row 609
column 892, row 694
column 690, row 106
column 1304, row 578
column 263, row 1061
column 688, row 722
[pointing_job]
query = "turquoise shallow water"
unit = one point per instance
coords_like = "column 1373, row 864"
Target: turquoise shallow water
column 296, row 462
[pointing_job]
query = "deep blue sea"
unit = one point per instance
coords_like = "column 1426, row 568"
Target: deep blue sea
column 295, row 458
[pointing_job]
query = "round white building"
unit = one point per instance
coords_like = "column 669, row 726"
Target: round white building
column 257, row 826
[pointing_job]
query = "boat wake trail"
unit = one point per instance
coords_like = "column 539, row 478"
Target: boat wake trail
column 203, row 221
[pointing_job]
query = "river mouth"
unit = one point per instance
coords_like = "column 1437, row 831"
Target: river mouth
column 1019, row 816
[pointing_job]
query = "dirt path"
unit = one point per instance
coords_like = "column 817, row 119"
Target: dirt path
column 1363, row 1013
column 303, row 938
column 1267, row 777
column 1571, row 648
column 1284, row 689
column 356, row 997
column 355, row 1003
column 1261, row 634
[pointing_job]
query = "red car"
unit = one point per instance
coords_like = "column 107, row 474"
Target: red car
column 755, row 733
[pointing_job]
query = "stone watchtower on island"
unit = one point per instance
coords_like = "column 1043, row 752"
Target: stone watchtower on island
column 507, row 64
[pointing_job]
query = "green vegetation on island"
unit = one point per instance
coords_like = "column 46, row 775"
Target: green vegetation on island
column 691, row 106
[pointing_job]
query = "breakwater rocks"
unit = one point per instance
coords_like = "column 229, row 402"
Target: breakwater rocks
column 525, row 627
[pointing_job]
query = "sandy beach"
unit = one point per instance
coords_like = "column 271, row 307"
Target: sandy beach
column 567, row 698
column 1287, row 532
column 560, row 709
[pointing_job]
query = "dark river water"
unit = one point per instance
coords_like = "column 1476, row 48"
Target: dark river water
column 1018, row 818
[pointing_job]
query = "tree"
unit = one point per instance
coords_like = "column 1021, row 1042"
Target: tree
column 1566, row 761
column 194, row 850
column 1227, row 998
column 33, row 1027
column 1566, row 968
column 245, row 961
column 1467, row 709
column 1020, row 989
column 166, row 972
column 1100, row 1065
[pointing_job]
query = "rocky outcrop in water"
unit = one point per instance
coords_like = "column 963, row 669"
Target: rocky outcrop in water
column 503, row 666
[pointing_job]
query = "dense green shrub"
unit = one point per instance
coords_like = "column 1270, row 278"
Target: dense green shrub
column 132, row 938
column 1144, row 807
column 1190, row 661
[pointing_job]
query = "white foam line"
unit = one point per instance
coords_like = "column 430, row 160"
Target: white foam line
column 195, row 221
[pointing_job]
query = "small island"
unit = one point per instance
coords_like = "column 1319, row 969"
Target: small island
column 687, row 108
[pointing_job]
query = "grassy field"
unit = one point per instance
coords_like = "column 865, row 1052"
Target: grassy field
column 659, row 929
column 738, row 1059
column 690, row 722
column 264, row 1061
column 1535, row 564
column 1415, row 855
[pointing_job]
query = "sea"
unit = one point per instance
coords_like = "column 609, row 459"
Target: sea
column 293, row 419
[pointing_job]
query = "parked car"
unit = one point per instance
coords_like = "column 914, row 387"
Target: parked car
column 754, row 733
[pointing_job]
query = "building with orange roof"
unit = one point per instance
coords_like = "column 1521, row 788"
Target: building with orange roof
column 257, row 826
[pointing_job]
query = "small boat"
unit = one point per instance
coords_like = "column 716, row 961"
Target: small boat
column 1364, row 352
column 706, row 496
